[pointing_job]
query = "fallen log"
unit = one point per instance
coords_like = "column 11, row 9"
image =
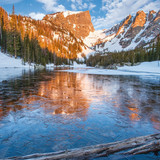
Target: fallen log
column 132, row 146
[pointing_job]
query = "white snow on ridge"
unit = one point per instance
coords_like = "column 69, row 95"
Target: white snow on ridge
column 112, row 43
column 87, row 52
column 74, row 26
column 68, row 13
column 94, row 37
column 134, row 44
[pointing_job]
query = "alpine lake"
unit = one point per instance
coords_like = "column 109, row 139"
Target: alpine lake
column 51, row 110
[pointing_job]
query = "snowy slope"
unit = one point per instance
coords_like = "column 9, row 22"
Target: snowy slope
column 93, row 37
column 7, row 61
column 149, row 67
column 96, row 37
column 134, row 31
column 11, row 67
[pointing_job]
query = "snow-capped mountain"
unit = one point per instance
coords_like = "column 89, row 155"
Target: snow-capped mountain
column 133, row 31
column 69, row 34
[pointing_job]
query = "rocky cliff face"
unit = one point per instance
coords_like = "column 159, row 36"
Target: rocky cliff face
column 79, row 23
column 61, row 33
column 133, row 31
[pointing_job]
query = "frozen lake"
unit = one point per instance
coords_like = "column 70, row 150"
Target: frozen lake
column 46, row 111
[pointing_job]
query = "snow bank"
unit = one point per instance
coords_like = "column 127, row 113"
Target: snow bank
column 145, row 69
column 11, row 67
column 75, row 65
column 6, row 61
column 153, row 67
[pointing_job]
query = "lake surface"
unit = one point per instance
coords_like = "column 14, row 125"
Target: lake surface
column 46, row 111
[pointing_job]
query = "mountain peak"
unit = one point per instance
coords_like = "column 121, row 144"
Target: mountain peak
column 79, row 23
column 133, row 32
column 139, row 20
column 151, row 15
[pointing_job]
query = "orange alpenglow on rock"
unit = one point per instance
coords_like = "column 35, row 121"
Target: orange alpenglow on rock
column 157, row 16
column 140, row 19
column 78, row 22
column 150, row 16
column 125, row 23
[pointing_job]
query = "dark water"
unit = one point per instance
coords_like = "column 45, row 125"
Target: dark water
column 46, row 111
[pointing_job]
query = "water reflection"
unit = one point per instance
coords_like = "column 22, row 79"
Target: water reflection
column 132, row 97
column 61, row 95
column 48, row 111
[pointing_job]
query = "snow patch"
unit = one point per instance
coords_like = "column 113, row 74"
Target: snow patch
column 94, row 37
column 74, row 26
column 87, row 52
column 11, row 67
column 6, row 61
column 152, row 67
column 68, row 13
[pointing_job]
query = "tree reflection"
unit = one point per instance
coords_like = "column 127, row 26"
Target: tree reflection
column 70, row 94
column 57, row 94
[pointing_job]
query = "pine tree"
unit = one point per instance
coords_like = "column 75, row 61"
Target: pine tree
column 3, row 36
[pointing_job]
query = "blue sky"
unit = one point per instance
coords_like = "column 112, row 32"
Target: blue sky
column 104, row 13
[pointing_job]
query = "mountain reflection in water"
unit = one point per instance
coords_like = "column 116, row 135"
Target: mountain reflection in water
column 49, row 111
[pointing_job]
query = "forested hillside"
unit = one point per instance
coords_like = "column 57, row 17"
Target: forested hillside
column 60, row 37
column 113, row 59
column 37, row 42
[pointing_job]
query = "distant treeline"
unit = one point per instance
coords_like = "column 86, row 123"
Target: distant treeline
column 18, row 38
column 150, row 53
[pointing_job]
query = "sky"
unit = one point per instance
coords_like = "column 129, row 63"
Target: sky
column 104, row 13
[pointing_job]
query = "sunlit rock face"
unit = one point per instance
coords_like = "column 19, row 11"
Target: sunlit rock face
column 139, row 20
column 151, row 15
column 137, row 25
column 125, row 24
column 79, row 23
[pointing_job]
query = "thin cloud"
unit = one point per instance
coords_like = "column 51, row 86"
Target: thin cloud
column 81, row 5
column 73, row 6
column 91, row 6
column 52, row 5
column 117, row 10
column 36, row 16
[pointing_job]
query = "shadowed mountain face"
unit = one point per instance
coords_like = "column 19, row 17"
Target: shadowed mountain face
column 133, row 31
